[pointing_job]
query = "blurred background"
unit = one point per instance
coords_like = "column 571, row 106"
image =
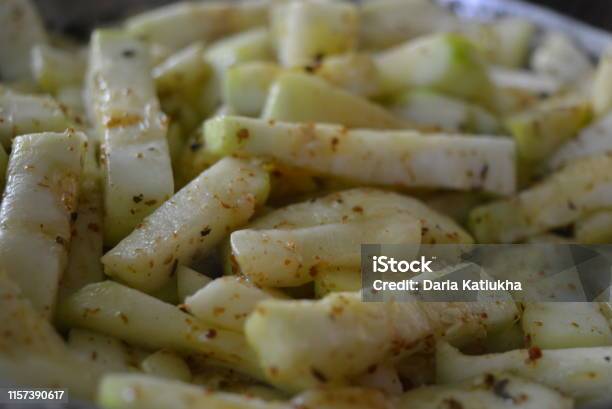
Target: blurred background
column 77, row 16
column 595, row 12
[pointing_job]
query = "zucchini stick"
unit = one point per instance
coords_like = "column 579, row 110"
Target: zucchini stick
column 447, row 63
column 573, row 192
column 357, row 204
column 189, row 225
column 122, row 391
column 292, row 257
column 305, row 31
column 177, row 25
column 296, row 97
column 492, row 391
column 21, row 28
column 124, row 109
column 372, row 157
column 302, row 344
column 122, row 312
column 227, row 301
column 40, row 198
column 581, row 373
column 22, row 114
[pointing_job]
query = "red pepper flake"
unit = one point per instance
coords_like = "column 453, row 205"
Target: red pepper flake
column 535, row 353
column 205, row 231
column 358, row 209
column 211, row 333
column 243, row 134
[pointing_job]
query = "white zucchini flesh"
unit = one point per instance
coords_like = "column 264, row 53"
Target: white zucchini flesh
column 402, row 158
column 189, row 282
column 385, row 23
column 306, row 31
column 252, row 45
column 227, row 301
column 442, row 113
column 304, row 343
column 298, row 97
column 581, row 373
column 595, row 228
column 32, row 353
column 357, row 204
column 167, row 364
column 22, row 328
column 446, row 63
column 573, row 192
column 147, row 392
column 188, row 225
column 355, row 72
column 41, row 195
column 488, row 391
column 337, row 279
column 557, row 325
column 21, row 28
column 558, row 56
column 124, row 108
column 246, row 86
column 23, row 114
column 102, row 351
column 292, row 257
column 594, row 140
column 54, row 68
column 86, row 246
column 141, row 320
column 524, row 80
column 177, row 25
column 602, row 85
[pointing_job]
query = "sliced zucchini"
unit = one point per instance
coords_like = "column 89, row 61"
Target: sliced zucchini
column 372, row 157
column 296, row 97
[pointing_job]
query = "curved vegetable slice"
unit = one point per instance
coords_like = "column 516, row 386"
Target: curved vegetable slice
column 358, row 204
column 492, row 391
column 292, row 257
column 113, row 309
column 188, row 225
column 405, row 158
column 296, row 97
column 573, row 192
column 306, row 31
column 581, row 373
column 40, row 197
column 447, row 63
column 303, row 344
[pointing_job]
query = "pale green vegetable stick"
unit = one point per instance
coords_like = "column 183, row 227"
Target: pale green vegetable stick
column 40, row 197
column 178, row 25
column 23, row 114
column 372, row 157
column 557, row 325
column 113, row 309
column 305, row 343
column 188, row 225
column 297, row 97
column 123, row 106
column 564, row 197
column 580, row 373
column 292, row 257
column 21, row 28
column 307, row 31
